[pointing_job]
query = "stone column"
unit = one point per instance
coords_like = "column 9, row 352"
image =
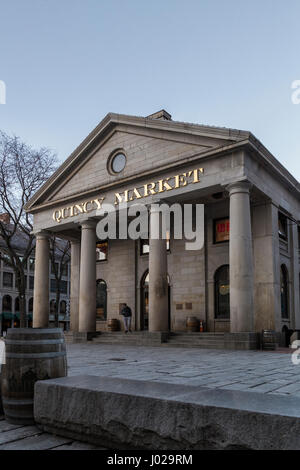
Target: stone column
column 267, row 311
column 240, row 259
column 158, row 280
column 87, row 290
column 74, row 287
column 41, row 282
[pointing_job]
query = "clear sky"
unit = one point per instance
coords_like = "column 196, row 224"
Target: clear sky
column 67, row 63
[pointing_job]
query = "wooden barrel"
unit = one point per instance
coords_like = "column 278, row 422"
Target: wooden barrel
column 113, row 324
column 31, row 354
column 269, row 340
column 192, row 324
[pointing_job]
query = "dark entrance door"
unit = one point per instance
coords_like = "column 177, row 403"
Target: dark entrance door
column 145, row 301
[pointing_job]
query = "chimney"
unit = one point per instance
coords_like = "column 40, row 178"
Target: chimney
column 161, row 115
column 5, row 218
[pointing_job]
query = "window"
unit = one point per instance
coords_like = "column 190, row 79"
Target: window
column 222, row 292
column 7, row 279
column 282, row 226
column 6, row 303
column 16, row 279
column 31, row 282
column 17, row 305
column 284, row 287
column 101, row 251
column 64, row 287
column 52, row 268
column 31, row 264
column 30, row 305
column 221, row 230
column 101, row 299
column 64, row 269
column 52, row 285
column 117, row 162
column 63, row 306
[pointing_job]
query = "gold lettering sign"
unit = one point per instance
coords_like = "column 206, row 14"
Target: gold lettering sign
column 148, row 189
column 76, row 209
column 160, row 186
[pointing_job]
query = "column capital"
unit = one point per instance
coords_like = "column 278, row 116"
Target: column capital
column 239, row 187
column 42, row 235
column 88, row 224
column 74, row 241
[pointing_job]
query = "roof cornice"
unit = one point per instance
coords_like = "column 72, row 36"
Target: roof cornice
column 111, row 120
column 277, row 168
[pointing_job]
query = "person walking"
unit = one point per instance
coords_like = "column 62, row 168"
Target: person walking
column 126, row 312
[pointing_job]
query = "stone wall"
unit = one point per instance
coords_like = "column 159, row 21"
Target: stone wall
column 119, row 274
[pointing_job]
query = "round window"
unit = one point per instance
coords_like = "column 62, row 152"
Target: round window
column 118, row 163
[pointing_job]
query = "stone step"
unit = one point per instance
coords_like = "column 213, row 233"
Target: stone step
column 132, row 342
column 196, row 334
column 221, row 419
column 143, row 338
column 191, row 340
column 202, row 345
column 205, row 340
column 196, row 338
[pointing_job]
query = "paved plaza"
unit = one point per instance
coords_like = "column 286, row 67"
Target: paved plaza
column 233, row 372
column 249, row 371
column 18, row 437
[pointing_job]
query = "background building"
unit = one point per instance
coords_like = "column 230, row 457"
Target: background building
column 9, row 300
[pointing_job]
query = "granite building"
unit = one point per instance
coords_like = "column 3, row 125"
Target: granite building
column 246, row 276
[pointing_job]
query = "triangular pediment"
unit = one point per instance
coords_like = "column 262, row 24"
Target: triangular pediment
column 148, row 144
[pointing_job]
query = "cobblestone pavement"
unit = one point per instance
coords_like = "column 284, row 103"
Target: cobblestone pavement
column 18, row 437
column 251, row 371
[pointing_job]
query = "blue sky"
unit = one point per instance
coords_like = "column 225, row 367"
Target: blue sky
column 231, row 63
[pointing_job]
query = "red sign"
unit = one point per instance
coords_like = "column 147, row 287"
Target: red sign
column 222, row 230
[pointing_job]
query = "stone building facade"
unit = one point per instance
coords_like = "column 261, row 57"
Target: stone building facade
column 246, row 276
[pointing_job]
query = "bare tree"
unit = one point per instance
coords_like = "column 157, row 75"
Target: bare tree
column 60, row 256
column 22, row 171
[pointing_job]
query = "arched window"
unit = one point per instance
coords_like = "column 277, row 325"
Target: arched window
column 30, row 305
column 17, row 305
column 284, row 291
column 222, row 287
column 145, row 301
column 63, row 306
column 101, row 299
column 7, row 304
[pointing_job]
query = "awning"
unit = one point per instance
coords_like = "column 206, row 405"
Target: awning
column 10, row 315
column 6, row 315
